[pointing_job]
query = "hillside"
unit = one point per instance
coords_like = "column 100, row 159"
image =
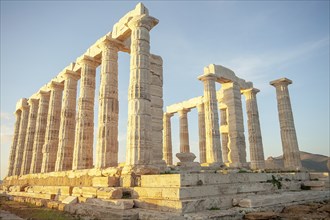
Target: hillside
column 312, row 162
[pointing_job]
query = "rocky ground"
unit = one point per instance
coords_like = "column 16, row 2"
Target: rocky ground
column 10, row 210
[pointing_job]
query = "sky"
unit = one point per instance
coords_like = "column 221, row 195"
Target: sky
column 259, row 41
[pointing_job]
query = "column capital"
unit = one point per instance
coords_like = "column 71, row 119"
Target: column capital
column 183, row 111
column 69, row 74
column 207, row 77
column 53, row 85
column 282, row 81
column 250, row 91
column 200, row 107
column 32, row 101
column 110, row 43
column 84, row 59
column 169, row 115
column 142, row 21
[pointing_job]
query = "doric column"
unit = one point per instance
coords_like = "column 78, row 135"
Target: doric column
column 107, row 140
column 291, row 154
column 25, row 108
column 68, row 122
column 83, row 146
column 224, row 133
column 256, row 149
column 139, row 98
column 201, row 132
column 50, row 147
column 184, row 132
column 237, row 147
column 39, row 137
column 213, row 146
column 18, row 114
column 29, row 139
column 167, row 139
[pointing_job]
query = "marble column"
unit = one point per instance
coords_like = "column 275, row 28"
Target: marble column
column 68, row 122
column 50, row 147
column 139, row 99
column 236, row 145
column 184, row 132
column 83, row 146
column 255, row 140
column 39, row 137
column 25, row 108
column 212, row 144
column 107, row 140
column 167, row 139
column 291, row 154
column 18, row 114
column 29, row 139
column 201, row 133
column 224, row 134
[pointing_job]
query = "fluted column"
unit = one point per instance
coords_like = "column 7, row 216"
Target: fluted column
column 167, row 139
column 68, row 122
column 25, row 108
column 107, row 140
column 256, row 149
column 184, row 132
column 139, row 99
column 39, row 137
column 236, row 145
column 291, row 154
column 201, row 132
column 12, row 155
column 212, row 144
column 50, row 147
column 28, row 146
column 224, row 134
column 83, row 146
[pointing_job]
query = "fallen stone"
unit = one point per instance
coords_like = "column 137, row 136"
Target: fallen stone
column 109, row 193
column 70, row 200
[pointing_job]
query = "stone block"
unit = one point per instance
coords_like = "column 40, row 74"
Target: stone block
column 110, row 193
column 105, row 181
column 127, row 180
column 70, row 200
column 113, row 204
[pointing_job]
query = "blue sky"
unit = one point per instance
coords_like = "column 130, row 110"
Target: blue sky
column 259, row 41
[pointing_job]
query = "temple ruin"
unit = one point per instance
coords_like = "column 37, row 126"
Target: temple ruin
column 51, row 159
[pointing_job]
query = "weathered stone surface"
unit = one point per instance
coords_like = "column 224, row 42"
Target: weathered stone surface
column 109, row 193
column 256, row 148
column 122, row 204
column 167, row 139
column 12, row 155
column 50, row 146
column 291, row 153
column 39, row 137
column 107, row 140
column 261, row 215
column 83, row 148
column 68, row 122
column 70, row 200
column 184, row 132
column 105, row 181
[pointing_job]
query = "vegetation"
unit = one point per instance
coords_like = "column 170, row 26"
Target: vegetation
column 275, row 182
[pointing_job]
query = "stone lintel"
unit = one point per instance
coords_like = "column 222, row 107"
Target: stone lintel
column 120, row 30
column 142, row 21
column 225, row 75
column 189, row 104
column 281, row 81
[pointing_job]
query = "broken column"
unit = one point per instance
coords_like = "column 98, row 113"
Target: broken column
column 291, row 154
column 237, row 147
column 107, row 140
column 167, row 139
column 139, row 101
column 50, row 146
column 212, row 144
column 201, row 132
column 83, row 146
column 184, row 132
column 25, row 108
column 255, row 140
column 29, row 139
column 12, row 155
column 39, row 137
column 68, row 122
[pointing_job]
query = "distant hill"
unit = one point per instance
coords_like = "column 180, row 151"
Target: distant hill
column 312, row 162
